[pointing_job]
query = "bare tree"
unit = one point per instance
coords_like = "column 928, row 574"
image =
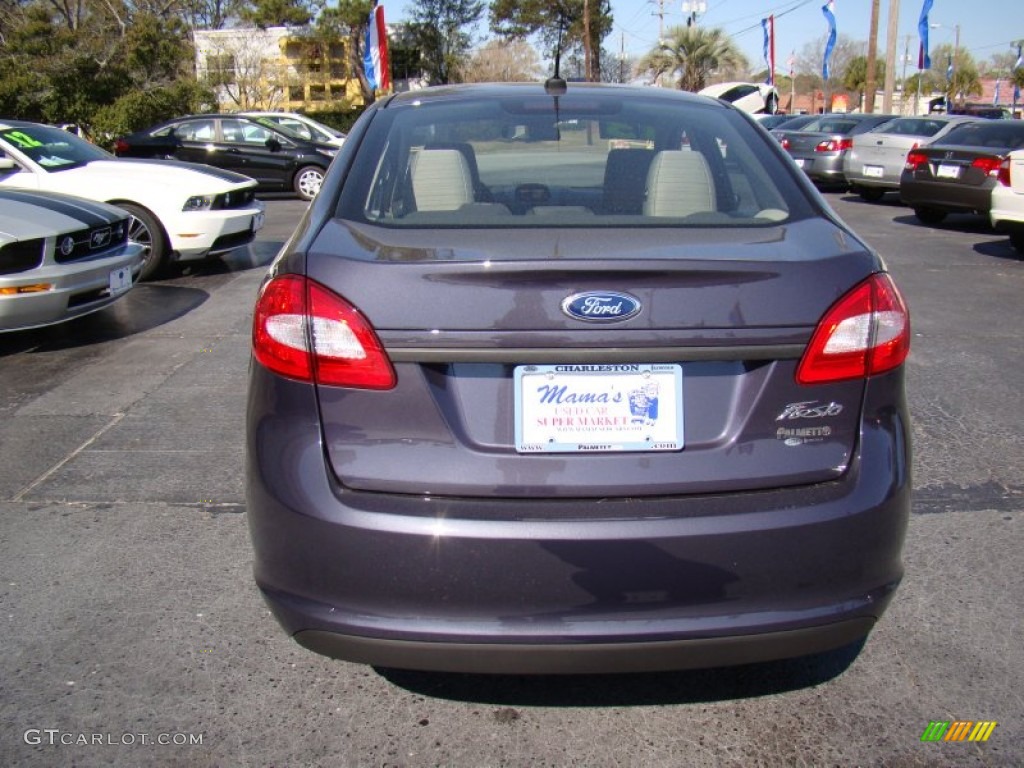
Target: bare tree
column 244, row 69
column 503, row 61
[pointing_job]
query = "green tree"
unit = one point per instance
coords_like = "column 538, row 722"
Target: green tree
column 690, row 54
column 349, row 19
column 575, row 24
column 439, row 32
column 855, row 77
column 278, row 13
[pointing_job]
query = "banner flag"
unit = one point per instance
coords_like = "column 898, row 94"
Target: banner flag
column 924, row 60
column 769, row 47
column 828, row 9
column 375, row 57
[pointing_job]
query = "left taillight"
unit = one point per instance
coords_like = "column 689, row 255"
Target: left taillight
column 304, row 331
column 866, row 332
column 834, row 145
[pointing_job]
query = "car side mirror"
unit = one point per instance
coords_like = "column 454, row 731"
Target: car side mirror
column 7, row 164
column 273, row 144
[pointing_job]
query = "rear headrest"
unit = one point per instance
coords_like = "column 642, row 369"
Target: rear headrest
column 441, row 180
column 678, row 184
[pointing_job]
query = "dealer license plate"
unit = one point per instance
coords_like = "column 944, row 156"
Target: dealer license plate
column 948, row 172
column 873, row 171
column 120, row 281
column 799, row 161
column 598, row 408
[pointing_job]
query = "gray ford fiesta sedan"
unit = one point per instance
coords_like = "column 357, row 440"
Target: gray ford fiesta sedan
column 574, row 379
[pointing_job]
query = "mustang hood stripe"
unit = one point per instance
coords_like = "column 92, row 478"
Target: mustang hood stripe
column 90, row 215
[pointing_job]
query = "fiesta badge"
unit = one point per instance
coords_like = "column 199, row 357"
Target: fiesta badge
column 601, row 306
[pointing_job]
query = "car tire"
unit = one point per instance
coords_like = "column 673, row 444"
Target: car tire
column 1017, row 240
column 146, row 230
column 929, row 215
column 871, row 194
column 307, row 181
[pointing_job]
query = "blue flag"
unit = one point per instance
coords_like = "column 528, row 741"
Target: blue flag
column 924, row 60
column 830, row 17
column 1018, row 65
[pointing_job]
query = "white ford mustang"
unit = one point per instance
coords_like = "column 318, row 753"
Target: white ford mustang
column 180, row 211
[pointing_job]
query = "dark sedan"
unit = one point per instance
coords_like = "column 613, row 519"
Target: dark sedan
column 957, row 175
column 276, row 158
column 574, row 379
column 819, row 146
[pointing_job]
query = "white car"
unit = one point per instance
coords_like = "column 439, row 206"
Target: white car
column 180, row 211
column 61, row 257
column 302, row 126
column 1008, row 199
column 755, row 98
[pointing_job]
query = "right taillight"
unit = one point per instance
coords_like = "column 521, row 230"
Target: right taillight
column 915, row 160
column 1004, row 173
column 866, row 332
column 304, row 331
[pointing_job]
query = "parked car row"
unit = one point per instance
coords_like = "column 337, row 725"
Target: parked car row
column 258, row 147
column 938, row 164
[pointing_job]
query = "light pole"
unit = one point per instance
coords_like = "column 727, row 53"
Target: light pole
column 692, row 9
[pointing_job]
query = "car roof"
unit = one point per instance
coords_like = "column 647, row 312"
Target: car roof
column 473, row 91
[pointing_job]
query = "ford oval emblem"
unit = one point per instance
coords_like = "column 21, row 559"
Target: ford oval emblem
column 601, row 306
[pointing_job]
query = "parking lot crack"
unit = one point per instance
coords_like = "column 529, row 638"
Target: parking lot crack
column 114, row 421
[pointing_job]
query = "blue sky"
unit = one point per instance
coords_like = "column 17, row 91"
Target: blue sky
column 986, row 26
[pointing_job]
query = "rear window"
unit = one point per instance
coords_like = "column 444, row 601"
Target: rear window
column 911, row 126
column 621, row 160
column 1003, row 135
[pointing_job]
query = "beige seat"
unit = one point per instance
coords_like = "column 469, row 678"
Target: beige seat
column 441, row 180
column 679, row 183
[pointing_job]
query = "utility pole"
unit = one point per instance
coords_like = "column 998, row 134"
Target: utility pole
column 660, row 13
column 871, row 85
column 891, row 42
column 588, row 54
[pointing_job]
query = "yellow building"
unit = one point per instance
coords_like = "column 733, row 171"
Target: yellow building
column 279, row 68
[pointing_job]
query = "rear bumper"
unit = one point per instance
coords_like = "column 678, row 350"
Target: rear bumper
column 951, row 198
column 515, row 586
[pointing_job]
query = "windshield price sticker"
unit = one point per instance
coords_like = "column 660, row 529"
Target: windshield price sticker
column 598, row 408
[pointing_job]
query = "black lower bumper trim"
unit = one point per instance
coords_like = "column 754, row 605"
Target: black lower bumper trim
column 586, row 658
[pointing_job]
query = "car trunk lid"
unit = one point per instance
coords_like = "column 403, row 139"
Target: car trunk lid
column 472, row 318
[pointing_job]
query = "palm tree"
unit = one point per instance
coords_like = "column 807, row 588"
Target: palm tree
column 691, row 54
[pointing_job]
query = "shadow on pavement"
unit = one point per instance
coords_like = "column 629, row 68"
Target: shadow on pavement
column 687, row 687
column 146, row 306
column 1000, row 249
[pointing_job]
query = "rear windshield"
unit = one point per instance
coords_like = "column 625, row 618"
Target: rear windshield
column 621, row 160
column 911, row 126
column 1001, row 135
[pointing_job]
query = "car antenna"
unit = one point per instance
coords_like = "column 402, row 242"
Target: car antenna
column 556, row 85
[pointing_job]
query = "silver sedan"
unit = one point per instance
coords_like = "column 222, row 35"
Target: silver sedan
column 874, row 164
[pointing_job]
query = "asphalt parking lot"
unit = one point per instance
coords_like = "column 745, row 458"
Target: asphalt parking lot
column 134, row 634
